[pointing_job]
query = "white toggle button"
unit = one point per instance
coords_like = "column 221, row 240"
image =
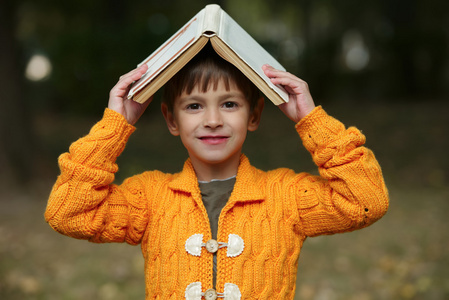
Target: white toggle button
column 212, row 246
column 231, row 292
column 193, row 291
column 235, row 245
column 210, row 294
column 193, row 244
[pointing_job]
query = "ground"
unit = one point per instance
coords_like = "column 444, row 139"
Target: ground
column 405, row 255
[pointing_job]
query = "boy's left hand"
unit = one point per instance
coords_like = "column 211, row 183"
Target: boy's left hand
column 118, row 100
column 300, row 102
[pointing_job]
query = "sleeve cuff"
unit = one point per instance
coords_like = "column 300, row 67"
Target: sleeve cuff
column 318, row 129
column 115, row 121
column 104, row 143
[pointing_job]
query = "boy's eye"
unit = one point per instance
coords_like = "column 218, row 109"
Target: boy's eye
column 193, row 106
column 230, row 104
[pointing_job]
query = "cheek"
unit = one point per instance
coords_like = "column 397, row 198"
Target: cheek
column 187, row 126
column 241, row 127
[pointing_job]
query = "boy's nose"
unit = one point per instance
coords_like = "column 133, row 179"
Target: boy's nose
column 213, row 119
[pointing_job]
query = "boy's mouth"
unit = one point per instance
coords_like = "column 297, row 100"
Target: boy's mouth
column 214, row 140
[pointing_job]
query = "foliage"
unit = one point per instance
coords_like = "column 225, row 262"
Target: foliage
column 91, row 43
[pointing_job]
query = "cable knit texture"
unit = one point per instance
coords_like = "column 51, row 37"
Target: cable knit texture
column 273, row 212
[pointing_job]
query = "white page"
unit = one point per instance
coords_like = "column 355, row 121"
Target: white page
column 168, row 52
column 254, row 55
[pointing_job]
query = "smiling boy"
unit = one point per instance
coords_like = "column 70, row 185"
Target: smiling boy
column 220, row 227
column 212, row 120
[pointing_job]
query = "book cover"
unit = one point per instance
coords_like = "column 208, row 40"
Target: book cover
column 228, row 39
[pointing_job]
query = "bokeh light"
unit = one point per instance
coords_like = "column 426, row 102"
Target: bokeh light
column 39, row 68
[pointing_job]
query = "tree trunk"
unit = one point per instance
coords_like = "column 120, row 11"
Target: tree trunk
column 16, row 147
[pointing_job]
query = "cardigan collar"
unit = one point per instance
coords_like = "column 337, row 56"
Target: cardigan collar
column 247, row 185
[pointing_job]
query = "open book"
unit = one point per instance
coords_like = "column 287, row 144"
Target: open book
column 228, row 39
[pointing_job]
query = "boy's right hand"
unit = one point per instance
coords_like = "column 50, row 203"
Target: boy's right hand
column 118, row 100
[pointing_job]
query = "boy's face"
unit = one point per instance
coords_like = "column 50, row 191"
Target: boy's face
column 213, row 124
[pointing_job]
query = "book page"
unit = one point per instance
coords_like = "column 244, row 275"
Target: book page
column 168, row 52
column 254, row 55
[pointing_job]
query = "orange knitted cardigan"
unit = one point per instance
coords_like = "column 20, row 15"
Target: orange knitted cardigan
column 272, row 212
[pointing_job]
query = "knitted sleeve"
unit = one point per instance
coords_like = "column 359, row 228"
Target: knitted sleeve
column 350, row 192
column 84, row 203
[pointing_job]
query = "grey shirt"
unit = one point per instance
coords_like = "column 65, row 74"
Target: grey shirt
column 215, row 194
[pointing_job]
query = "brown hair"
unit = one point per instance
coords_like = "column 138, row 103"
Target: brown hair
column 205, row 69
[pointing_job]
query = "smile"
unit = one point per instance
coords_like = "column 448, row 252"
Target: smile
column 214, row 140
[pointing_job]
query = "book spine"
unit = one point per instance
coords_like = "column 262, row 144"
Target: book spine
column 212, row 18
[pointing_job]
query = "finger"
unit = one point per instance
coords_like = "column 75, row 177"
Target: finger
column 284, row 78
column 271, row 70
column 134, row 75
column 268, row 70
column 280, row 75
column 294, row 83
column 274, row 73
column 126, row 80
column 141, row 69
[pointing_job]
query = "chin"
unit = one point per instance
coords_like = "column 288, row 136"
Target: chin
column 218, row 159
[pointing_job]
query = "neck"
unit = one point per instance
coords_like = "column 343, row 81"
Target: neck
column 208, row 172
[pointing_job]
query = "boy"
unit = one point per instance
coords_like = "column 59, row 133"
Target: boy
column 221, row 227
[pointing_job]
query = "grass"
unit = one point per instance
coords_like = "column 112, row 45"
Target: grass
column 403, row 256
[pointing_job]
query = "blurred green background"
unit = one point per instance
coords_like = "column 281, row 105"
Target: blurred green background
column 382, row 66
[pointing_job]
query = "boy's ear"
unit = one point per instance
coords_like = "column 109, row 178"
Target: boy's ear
column 170, row 120
column 256, row 115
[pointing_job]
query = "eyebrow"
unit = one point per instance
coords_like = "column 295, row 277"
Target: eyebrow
column 221, row 97
column 233, row 95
